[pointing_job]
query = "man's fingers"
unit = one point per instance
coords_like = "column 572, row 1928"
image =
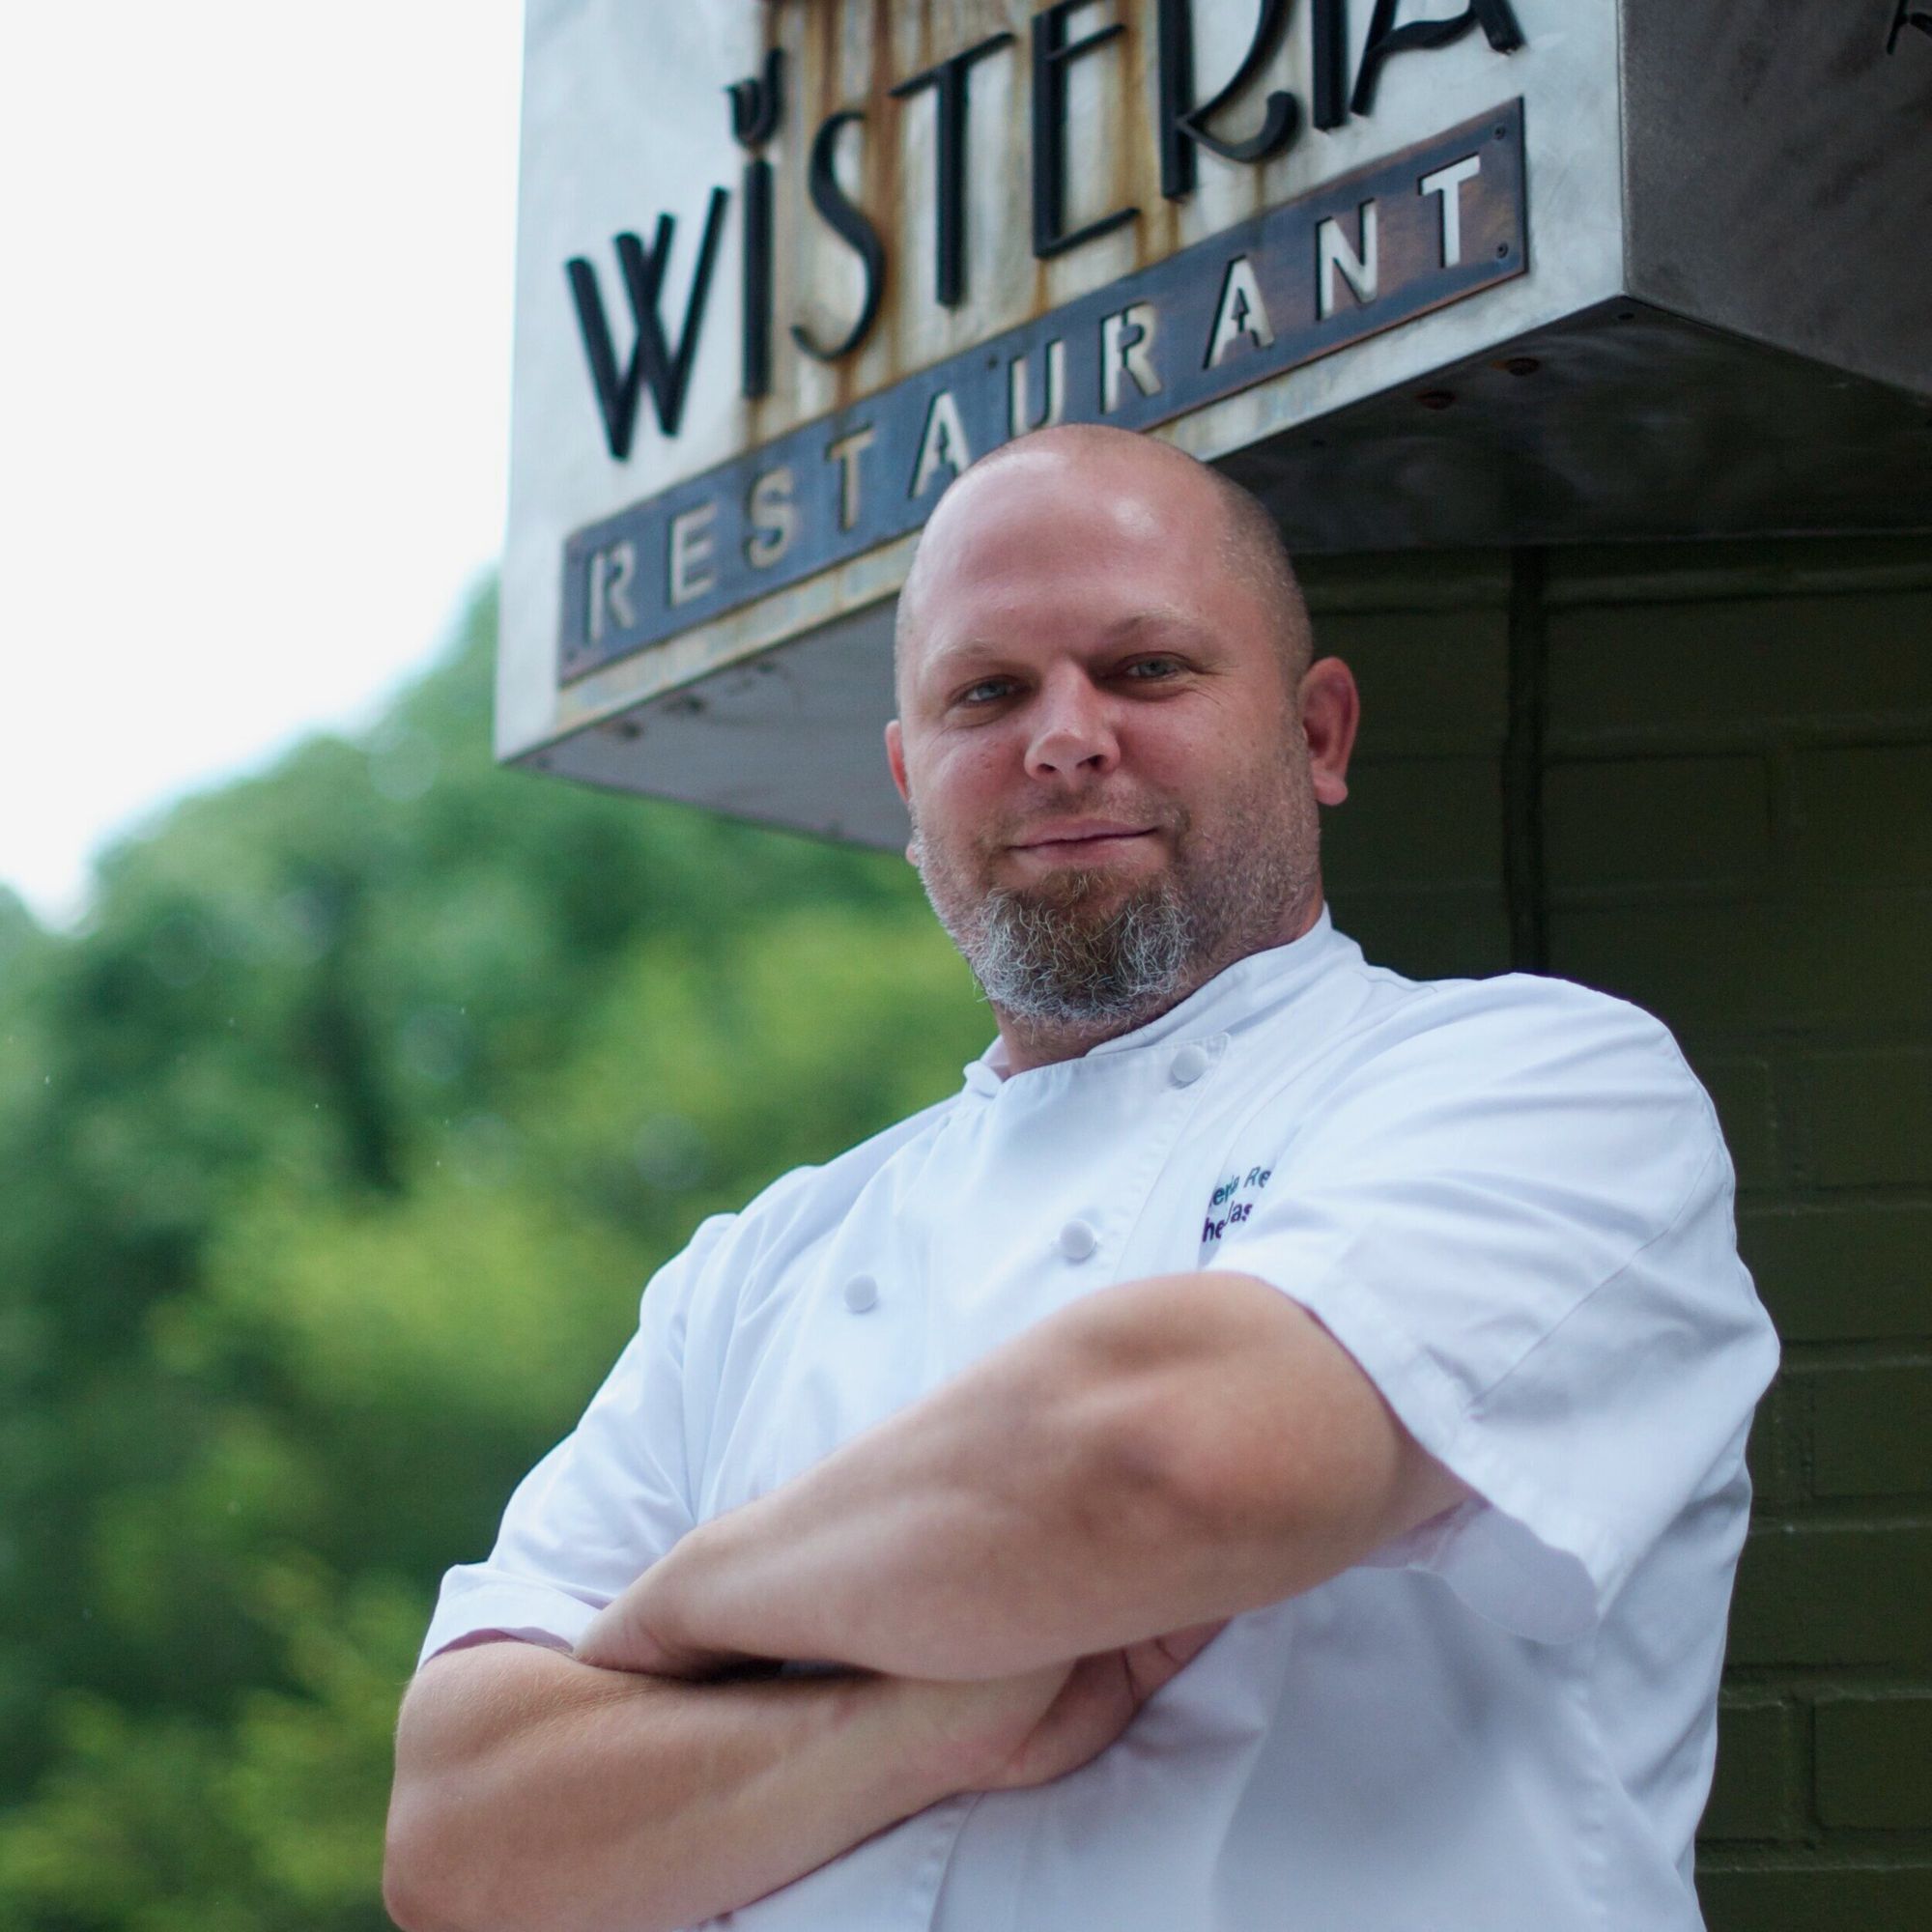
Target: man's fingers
column 637, row 1651
column 1153, row 1664
column 1181, row 1646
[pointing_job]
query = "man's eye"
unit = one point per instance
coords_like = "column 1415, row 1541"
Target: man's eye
column 986, row 692
column 1145, row 670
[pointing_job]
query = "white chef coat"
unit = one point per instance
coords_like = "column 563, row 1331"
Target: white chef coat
column 1509, row 1200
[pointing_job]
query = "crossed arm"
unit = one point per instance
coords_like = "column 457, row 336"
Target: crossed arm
column 1010, row 1566
column 1159, row 1455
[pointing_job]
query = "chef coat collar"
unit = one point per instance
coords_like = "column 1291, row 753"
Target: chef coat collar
column 1258, row 983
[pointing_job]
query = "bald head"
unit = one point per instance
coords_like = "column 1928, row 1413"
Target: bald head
column 1091, row 459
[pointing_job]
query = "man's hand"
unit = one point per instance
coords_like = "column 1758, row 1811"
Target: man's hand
column 1006, row 1733
column 535, row 1792
column 624, row 1637
column 994, row 1734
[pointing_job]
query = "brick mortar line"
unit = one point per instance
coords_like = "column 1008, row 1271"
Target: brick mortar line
column 1799, row 1202
column 1843, row 1516
column 1739, row 1856
column 1757, row 1687
column 1812, row 1358
column 1871, row 731
column 1641, row 896
column 1526, row 765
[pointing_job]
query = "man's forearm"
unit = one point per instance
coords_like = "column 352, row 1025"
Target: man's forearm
column 1163, row 1454
column 1000, row 1525
column 533, row 1791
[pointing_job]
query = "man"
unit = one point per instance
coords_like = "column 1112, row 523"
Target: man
column 1267, row 1452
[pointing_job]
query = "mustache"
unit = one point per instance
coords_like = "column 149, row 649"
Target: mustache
column 1157, row 815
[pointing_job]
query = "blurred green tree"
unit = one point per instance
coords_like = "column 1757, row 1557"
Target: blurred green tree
column 336, row 1146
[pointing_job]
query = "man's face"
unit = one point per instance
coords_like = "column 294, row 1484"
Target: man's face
column 1112, row 796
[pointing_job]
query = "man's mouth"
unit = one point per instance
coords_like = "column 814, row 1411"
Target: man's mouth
column 1081, row 840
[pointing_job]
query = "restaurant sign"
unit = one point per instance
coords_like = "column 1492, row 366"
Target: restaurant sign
column 1422, row 273
column 1366, row 251
column 786, row 266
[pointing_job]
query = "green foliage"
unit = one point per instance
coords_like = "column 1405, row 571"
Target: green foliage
column 157, row 1822
column 336, row 1149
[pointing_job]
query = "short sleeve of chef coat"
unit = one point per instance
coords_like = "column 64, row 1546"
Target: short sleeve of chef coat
column 1518, row 1219
column 605, row 1504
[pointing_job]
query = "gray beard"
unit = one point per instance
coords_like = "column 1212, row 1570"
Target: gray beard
column 1040, row 961
column 1049, row 961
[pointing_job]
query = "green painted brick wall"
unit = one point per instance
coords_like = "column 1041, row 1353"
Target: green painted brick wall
column 1882, row 1893
column 1861, row 1740
column 1700, row 776
column 1869, row 1433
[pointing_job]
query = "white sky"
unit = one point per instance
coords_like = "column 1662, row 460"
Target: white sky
column 254, row 384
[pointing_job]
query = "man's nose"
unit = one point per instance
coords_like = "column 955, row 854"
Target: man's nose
column 1073, row 732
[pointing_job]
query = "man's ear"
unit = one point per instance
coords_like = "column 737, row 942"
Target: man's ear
column 896, row 756
column 895, row 764
column 1331, row 708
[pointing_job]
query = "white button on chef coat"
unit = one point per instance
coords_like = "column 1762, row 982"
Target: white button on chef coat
column 861, row 1292
column 1188, row 1065
column 1508, row 1201
column 1077, row 1241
